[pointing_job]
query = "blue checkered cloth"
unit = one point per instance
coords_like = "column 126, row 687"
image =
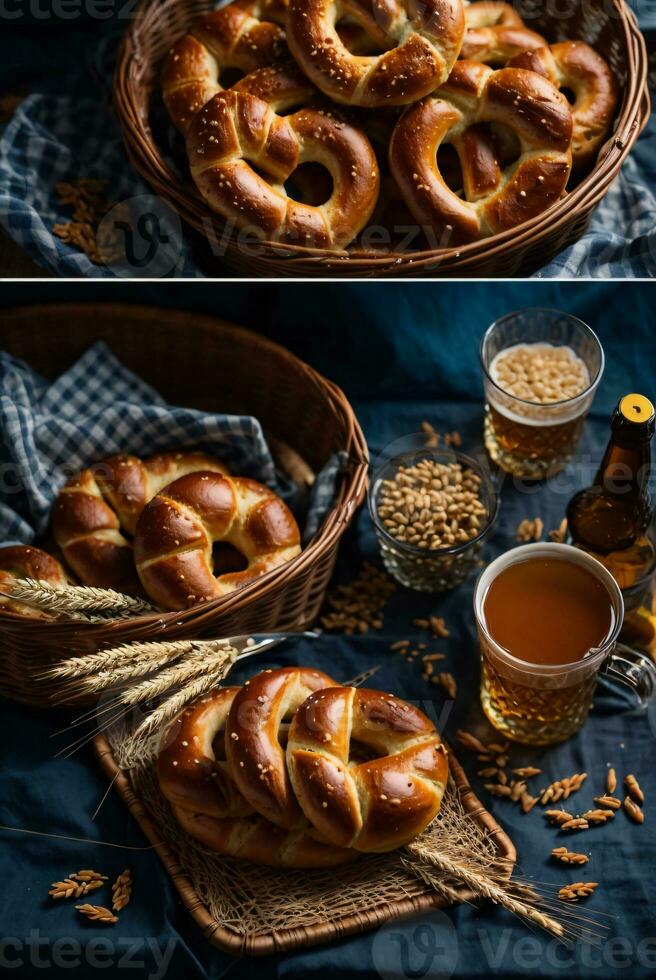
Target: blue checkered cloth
column 55, row 138
column 97, row 408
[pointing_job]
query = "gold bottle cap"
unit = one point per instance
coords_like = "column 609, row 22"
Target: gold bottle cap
column 636, row 408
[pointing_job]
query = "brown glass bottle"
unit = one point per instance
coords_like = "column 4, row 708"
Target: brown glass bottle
column 610, row 518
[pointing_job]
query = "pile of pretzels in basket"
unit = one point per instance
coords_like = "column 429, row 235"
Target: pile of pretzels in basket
column 451, row 116
column 293, row 770
column 150, row 528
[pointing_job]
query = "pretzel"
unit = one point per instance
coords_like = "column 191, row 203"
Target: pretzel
column 257, row 840
column 177, row 529
column 236, row 131
column 22, row 561
column 255, row 755
column 576, row 66
column 495, row 199
column 495, row 33
column 245, row 35
column 191, row 766
column 378, row 804
column 97, row 507
column 423, row 40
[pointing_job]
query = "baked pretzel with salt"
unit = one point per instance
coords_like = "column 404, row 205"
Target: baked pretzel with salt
column 97, row 510
column 495, row 33
column 254, row 838
column 20, row 561
column 195, row 778
column 236, row 132
column 244, row 35
column 496, row 199
column 373, row 805
column 420, row 43
column 574, row 65
column 177, row 530
column 254, row 736
column 191, row 764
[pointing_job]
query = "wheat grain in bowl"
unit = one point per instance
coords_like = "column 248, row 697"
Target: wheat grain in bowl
column 432, row 505
column 431, row 510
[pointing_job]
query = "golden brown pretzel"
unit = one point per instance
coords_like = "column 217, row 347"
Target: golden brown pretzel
column 96, row 506
column 283, row 86
column 576, row 66
column 191, row 765
column 255, row 755
column 235, row 132
column 245, row 35
column 177, row 529
column 378, row 804
column 495, row 199
column 22, row 561
column 422, row 38
column 257, row 840
column 495, row 33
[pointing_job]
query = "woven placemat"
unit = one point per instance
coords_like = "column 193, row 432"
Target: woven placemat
column 252, row 910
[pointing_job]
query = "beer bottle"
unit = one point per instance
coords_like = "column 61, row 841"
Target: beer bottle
column 610, row 519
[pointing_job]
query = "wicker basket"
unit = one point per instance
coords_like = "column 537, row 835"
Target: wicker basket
column 200, row 362
column 610, row 27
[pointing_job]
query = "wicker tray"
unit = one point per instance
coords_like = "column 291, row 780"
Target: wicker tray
column 200, row 362
column 286, row 939
column 611, row 28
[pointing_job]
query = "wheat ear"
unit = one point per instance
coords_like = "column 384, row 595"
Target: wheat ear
column 78, row 599
column 105, row 661
column 216, row 671
column 481, row 884
column 195, row 664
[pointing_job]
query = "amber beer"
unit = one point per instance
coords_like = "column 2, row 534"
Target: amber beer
column 540, row 370
column 529, row 449
column 548, row 617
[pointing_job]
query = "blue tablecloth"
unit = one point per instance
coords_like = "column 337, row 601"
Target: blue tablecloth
column 66, row 129
column 413, row 357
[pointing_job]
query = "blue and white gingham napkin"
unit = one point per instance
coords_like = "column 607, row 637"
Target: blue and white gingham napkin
column 48, row 432
column 61, row 138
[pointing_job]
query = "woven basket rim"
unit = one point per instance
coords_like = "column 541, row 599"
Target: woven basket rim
column 150, row 163
column 284, row 940
column 349, row 495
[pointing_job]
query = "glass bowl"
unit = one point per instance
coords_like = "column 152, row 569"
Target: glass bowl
column 425, row 569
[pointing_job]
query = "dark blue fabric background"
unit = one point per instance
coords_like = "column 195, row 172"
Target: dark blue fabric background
column 402, row 354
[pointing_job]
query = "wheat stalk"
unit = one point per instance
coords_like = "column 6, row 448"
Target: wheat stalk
column 198, row 662
column 176, row 702
column 480, row 883
column 103, row 663
column 130, row 671
column 78, row 599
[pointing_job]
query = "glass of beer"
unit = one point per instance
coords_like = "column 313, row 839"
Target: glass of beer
column 548, row 618
column 541, row 369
